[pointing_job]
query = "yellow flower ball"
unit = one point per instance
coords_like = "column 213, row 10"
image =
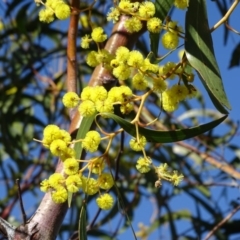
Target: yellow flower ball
column 89, row 185
column 146, row 10
column 182, row 4
column 138, row 145
column 87, row 108
column 62, row 11
column 46, row 15
column 170, row 40
column 73, row 183
column 105, row 181
column 71, row 166
column 133, row 24
column 70, row 100
column 98, row 34
column 144, row 164
column 154, row 25
column 60, row 195
column 105, row 201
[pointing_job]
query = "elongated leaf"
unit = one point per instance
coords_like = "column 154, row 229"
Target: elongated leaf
column 70, row 195
column 162, row 9
column 200, row 53
column 82, row 131
column 166, row 136
column 82, row 232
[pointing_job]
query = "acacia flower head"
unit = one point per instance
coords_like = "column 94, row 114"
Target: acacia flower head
column 98, row 93
column 98, row 34
column 46, row 15
column 73, row 183
column 176, row 178
column 170, row 40
column 105, row 106
column 56, row 180
column 169, row 102
column 182, row 4
column 144, row 164
column 105, row 181
column 179, row 91
column 70, row 99
column 59, row 195
column 71, row 166
column 154, row 25
column 133, row 24
column 139, row 82
column 148, row 66
column 105, row 201
column 52, row 3
column 89, row 185
column 96, row 165
column 122, row 72
column 135, row 59
column 138, row 145
column 159, row 85
column 50, row 133
column 126, row 108
column 85, row 41
column 167, row 69
column 62, row 11
column 125, row 5
column 58, row 147
column 91, row 141
column 122, row 54
column 45, row 185
column 87, row 108
column 113, row 15
column 146, row 9
column 91, row 59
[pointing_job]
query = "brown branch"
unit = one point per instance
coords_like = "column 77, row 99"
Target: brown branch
column 214, row 162
column 222, row 222
column 72, row 72
column 21, row 202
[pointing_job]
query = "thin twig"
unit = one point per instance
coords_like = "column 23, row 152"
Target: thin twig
column 222, row 222
column 226, row 16
column 21, row 202
column 91, row 225
column 231, row 29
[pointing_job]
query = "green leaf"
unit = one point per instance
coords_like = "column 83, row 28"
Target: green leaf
column 69, row 199
column 165, row 136
column 85, row 125
column 200, row 53
column 82, row 232
column 162, row 9
column 235, row 58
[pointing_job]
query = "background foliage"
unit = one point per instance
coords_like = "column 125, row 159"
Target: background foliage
column 32, row 82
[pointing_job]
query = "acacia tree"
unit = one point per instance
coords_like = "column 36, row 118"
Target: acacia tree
column 122, row 92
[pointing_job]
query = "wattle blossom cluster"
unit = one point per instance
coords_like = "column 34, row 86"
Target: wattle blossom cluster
column 97, row 100
column 128, row 67
column 144, row 75
column 144, row 12
column 53, row 8
column 72, row 180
